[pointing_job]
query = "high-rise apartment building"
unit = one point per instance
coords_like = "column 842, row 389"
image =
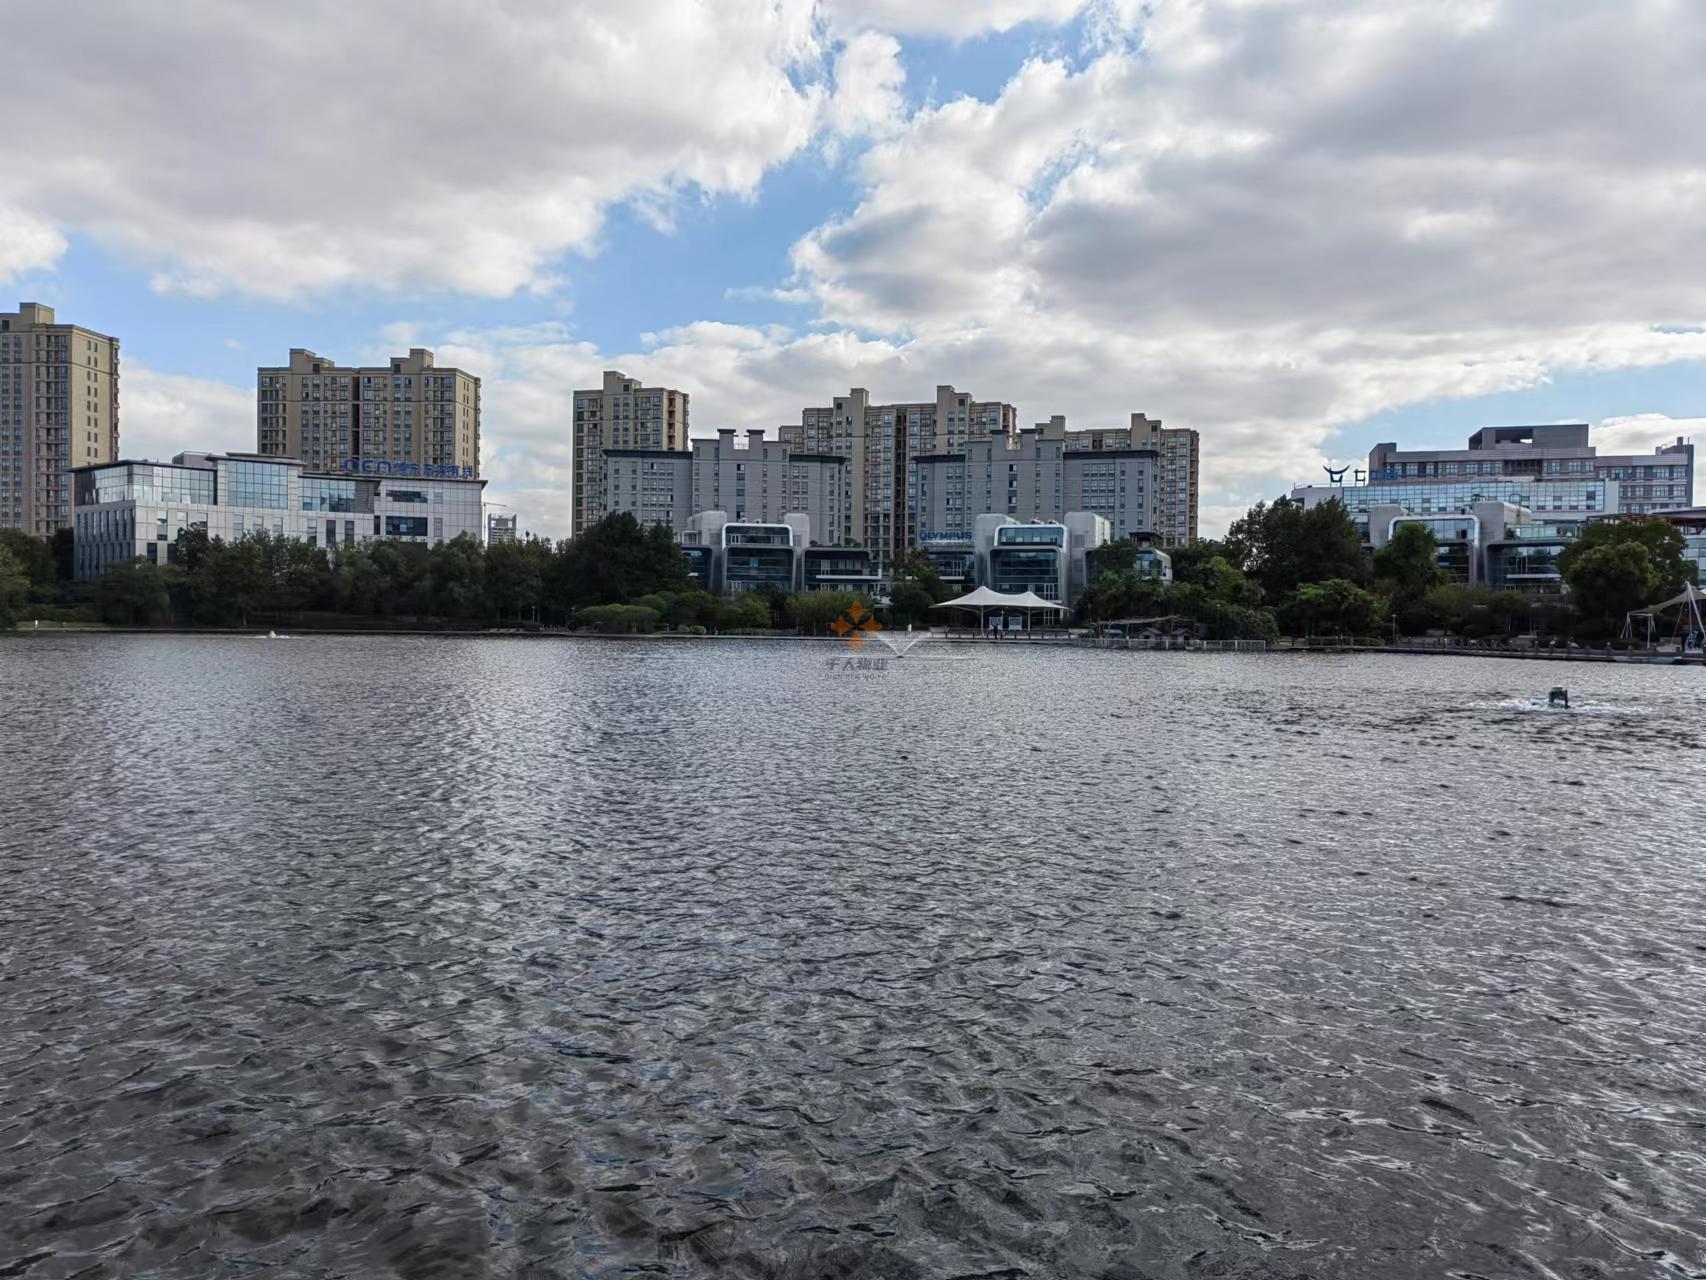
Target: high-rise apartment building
column 399, row 417
column 620, row 414
column 1176, row 477
column 1038, row 476
column 58, row 410
column 749, row 480
column 881, row 442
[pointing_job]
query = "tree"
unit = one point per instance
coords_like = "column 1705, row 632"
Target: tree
column 134, row 593
column 745, row 612
column 32, row 556
column 1407, row 567
column 1283, row 546
column 910, row 603
column 515, row 577
column 614, row 560
column 814, row 611
column 1122, row 593
column 1474, row 612
column 1608, row 580
column 1661, row 540
column 1336, row 606
column 457, row 571
column 913, row 566
column 1211, row 565
column 14, row 587
column 63, row 546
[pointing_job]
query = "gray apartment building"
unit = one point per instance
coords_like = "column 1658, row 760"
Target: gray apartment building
column 1038, row 475
column 58, row 411
column 1646, row 483
column 881, row 443
column 752, row 480
column 1176, row 488
column 407, row 411
column 619, row 415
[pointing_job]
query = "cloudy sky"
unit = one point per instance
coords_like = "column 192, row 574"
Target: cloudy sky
column 1299, row 226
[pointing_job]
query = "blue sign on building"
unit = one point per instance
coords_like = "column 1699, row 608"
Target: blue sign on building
column 385, row 467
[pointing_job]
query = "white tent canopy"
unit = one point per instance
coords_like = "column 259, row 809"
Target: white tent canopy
column 1690, row 594
column 984, row 598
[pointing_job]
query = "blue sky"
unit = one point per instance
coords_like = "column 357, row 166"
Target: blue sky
column 1090, row 208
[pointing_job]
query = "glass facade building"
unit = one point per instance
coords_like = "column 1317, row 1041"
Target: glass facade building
column 1552, row 452
column 137, row 510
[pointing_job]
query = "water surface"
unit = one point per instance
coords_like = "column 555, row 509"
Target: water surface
column 455, row 957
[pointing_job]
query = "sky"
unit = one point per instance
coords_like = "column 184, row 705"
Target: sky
column 1298, row 226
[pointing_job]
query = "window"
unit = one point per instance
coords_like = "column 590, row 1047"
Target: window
column 405, row 526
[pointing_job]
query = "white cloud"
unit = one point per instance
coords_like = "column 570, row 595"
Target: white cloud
column 27, row 242
column 954, row 19
column 1268, row 220
column 1275, row 219
column 161, row 414
column 868, row 80
column 453, row 144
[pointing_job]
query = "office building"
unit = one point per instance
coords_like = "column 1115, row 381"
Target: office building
column 1049, row 557
column 753, row 479
column 500, row 529
column 1646, row 482
column 732, row 556
column 881, row 443
column 1175, row 489
column 322, row 413
column 619, row 415
column 1498, row 532
column 58, row 411
column 841, row 569
column 135, row 510
column 1690, row 522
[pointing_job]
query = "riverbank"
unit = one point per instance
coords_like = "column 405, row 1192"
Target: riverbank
column 1056, row 639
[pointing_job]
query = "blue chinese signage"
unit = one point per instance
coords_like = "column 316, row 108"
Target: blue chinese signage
column 385, row 467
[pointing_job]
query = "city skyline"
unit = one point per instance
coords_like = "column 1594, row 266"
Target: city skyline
column 1107, row 225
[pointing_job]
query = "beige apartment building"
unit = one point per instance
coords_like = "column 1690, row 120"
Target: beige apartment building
column 1176, row 472
column 881, row 442
column 620, row 414
column 58, row 410
column 406, row 414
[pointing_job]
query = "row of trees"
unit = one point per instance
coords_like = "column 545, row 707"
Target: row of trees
column 1281, row 569
column 1285, row 570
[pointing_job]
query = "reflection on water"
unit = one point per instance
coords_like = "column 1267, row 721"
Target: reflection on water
column 439, row 957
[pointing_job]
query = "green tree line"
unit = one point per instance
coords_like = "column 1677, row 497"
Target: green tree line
column 1281, row 570
column 1284, row 570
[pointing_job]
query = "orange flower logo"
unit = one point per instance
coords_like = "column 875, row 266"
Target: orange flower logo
column 856, row 626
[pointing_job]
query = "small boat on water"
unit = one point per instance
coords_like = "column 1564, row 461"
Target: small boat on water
column 1559, row 697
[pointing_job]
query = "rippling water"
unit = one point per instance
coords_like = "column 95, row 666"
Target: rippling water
column 449, row 957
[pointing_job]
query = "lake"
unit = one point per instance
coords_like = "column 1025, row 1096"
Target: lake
column 455, row 957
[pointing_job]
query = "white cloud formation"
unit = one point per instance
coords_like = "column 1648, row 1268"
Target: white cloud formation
column 452, row 144
column 1275, row 219
column 868, row 79
column 161, row 414
column 953, row 19
column 27, row 242
column 1266, row 220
